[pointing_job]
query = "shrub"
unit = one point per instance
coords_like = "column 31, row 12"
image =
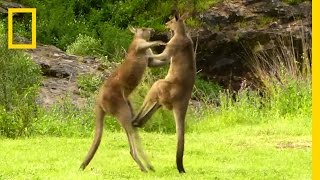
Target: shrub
column 85, row 45
column 114, row 41
column 88, row 84
column 60, row 22
column 19, row 83
column 206, row 91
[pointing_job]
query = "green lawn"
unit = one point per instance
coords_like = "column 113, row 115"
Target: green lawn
column 278, row 150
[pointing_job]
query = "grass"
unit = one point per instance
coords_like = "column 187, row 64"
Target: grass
column 279, row 150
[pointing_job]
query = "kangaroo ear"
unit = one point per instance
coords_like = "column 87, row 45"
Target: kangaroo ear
column 132, row 29
column 177, row 16
column 175, row 12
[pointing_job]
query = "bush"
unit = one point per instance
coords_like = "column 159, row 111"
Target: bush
column 19, row 83
column 60, row 22
column 206, row 91
column 85, row 45
column 89, row 84
column 114, row 41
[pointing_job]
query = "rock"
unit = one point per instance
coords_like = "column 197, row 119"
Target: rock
column 4, row 5
column 3, row 11
column 60, row 72
column 231, row 28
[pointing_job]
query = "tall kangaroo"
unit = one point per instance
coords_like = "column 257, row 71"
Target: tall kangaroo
column 113, row 95
column 174, row 91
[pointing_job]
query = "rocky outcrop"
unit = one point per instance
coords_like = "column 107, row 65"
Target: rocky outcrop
column 60, row 72
column 232, row 28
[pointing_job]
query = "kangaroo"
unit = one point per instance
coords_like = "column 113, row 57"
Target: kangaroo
column 174, row 91
column 113, row 99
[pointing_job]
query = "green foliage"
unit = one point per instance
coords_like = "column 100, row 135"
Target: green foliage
column 286, row 78
column 114, row 41
column 193, row 22
column 60, row 22
column 19, row 83
column 22, row 26
column 196, row 5
column 206, row 91
column 292, row 98
column 88, row 84
column 68, row 119
column 3, row 28
column 85, row 45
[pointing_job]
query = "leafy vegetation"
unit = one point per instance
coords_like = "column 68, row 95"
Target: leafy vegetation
column 85, row 45
column 70, row 24
column 88, row 84
column 19, row 82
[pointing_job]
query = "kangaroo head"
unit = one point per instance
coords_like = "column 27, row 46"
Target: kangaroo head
column 144, row 33
column 177, row 24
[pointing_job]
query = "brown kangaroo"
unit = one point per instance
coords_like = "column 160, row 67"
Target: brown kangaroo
column 113, row 95
column 174, row 91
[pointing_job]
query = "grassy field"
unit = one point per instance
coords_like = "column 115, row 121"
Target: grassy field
column 277, row 150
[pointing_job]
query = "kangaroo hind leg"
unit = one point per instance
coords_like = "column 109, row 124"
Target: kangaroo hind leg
column 179, row 112
column 124, row 117
column 147, row 110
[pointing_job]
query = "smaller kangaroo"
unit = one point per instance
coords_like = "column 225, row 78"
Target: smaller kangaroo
column 174, row 91
column 113, row 95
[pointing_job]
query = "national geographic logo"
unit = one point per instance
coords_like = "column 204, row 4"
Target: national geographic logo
column 33, row 44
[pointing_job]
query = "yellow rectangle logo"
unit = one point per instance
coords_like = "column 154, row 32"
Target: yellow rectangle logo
column 33, row 44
